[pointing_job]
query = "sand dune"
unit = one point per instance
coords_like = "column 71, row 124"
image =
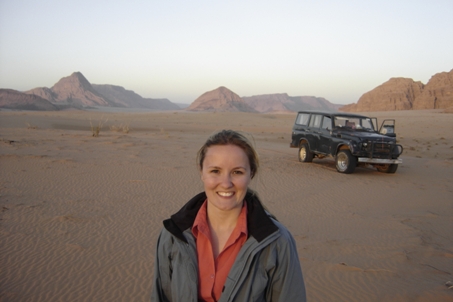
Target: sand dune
column 80, row 214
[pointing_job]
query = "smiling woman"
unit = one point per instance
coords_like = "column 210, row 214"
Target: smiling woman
column 223, row 245
column 226, row 176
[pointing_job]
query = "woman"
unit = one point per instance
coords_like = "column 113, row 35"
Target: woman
column 223, row 245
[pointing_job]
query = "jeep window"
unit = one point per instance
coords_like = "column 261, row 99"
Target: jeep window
column 302, row 119
column 355, row 123
column 326, row 122
column 315, row 121
column 367, row 124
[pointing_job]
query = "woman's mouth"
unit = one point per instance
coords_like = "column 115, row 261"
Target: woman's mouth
column 225, row 194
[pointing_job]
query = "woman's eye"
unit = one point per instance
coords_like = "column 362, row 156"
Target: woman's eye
column 238, row 172
column 215, row 171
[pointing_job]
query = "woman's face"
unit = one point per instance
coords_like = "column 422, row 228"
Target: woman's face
column 226, row 176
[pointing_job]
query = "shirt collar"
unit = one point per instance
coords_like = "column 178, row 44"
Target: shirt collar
column 201, row 221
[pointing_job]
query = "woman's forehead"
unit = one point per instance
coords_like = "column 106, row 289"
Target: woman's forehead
column 225, row 154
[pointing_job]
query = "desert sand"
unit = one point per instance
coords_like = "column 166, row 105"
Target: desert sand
column 81, row 214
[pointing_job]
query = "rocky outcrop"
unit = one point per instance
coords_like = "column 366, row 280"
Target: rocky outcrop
column 437, row 94
column 267, row 102
column 76, row 91
column 13, row 99
column 129, row 98
column 282, row 102
column 220, row 99
column 72, row 90
column 44, row 93
column 406, row 94
column 395, row 94
column 223, row 99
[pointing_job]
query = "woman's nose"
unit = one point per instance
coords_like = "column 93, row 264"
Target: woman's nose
column 226, row 181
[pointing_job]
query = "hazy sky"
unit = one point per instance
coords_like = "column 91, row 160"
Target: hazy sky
column 180, row 49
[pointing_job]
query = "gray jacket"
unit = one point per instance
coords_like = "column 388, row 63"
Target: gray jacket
column 267, row 267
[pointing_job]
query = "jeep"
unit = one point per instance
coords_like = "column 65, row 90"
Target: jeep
column 351, row 139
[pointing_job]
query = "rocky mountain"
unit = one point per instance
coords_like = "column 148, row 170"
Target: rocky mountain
column 284, row 102
column 13, row 99
column 44, row 93
column 75, row 90
column 395, row 94
column 437, row 94
column 406, row 94
column 220, row 99
column 129, row 98
column 223, row 99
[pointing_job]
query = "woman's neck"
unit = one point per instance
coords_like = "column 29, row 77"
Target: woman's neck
column 221, row 224
column 219, row 219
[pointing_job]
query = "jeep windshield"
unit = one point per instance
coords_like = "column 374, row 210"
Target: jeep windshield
column 354, row 123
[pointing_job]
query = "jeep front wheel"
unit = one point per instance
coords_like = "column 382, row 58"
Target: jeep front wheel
column 305, row 155
column 345, row 162
column 391, row 168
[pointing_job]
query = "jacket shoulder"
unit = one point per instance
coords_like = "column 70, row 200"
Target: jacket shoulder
column 285, row 234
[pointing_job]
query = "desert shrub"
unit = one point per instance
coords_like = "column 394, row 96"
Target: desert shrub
column 120, row 128
column 96, row 129
column 31, row 126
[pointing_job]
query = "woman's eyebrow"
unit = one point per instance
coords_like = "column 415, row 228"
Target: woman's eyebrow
column 216, row 167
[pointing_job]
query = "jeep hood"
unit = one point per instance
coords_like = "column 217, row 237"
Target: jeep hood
column 368, row 136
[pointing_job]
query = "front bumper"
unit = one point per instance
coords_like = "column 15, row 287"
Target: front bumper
column 378, row 152
column 379, row 160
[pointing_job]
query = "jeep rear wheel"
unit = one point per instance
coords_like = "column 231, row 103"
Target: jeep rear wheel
column 391, row 168
column 305, row 155
column 345, row 162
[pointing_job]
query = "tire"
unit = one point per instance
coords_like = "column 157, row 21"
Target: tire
column 305, row 155
column 345, row 162
column 391, row 168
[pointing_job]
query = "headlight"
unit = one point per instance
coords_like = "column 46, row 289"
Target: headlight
column 364, row 146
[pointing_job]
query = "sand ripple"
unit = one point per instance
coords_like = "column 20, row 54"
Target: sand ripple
column 80, row 215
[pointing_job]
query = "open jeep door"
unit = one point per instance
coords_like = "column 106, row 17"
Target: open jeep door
column 388, row 128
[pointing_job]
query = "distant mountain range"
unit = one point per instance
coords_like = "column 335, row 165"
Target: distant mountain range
column 223, row 99
column 75, row 91
column 282, row 102
column 128, row 98
column 13, row 99
column 406, row 94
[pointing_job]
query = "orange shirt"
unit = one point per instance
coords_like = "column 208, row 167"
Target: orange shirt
column 212, row 273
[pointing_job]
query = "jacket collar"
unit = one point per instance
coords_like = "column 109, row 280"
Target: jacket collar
column 259, row 224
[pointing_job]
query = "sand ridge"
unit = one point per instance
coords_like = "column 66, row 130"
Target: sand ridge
column 80, row 214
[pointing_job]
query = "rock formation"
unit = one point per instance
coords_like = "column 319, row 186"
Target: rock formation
column 43, row 92
column 76, row 91
column 405, row 94
column 437, row 94
column 129, row 98
column 267, row 102
column 73, row 90
column 283, row 102
column 13, row 99
column 220, row 99
column 395, row 94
